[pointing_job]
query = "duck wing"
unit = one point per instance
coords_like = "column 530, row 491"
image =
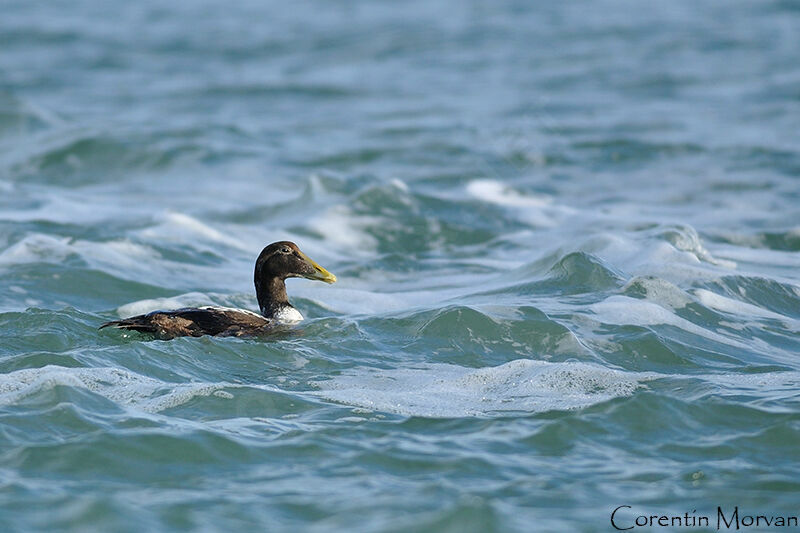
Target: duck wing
column 195, row 322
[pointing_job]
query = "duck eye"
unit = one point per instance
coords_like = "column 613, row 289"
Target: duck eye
column 285, row 250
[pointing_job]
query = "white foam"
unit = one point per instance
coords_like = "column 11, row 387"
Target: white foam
column 195, row 226
column 120, row 386
column 68, row 207
column 775, row 384
column 354, row 301
column 536, row 210
column 729, row 305
column 38, row 247
column 661, row 291
column 641, row 255
column 774, row 391
column 340, row 226
column 121, row 252
column 442, row 390
column 122, row 257
column 761, row 256
column 623, row 310
column 181, row 227
column 497, row 193
column 399, row 184
column 688, row 240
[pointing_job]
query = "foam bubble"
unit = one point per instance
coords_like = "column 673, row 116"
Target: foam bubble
column 442, row 390
column 778, row 384
column 118, row 385
column 686, row 238
column 660, row 291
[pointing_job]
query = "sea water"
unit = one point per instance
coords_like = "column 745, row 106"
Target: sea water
column 567, row 238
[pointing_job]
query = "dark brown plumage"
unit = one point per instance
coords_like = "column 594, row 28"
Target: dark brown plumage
column 275, row 263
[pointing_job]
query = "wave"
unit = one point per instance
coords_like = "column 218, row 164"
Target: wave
column 137, row 393
column 447, row 391
column 120, row 386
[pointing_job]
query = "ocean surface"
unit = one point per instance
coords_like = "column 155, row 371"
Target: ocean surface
column 567, row 237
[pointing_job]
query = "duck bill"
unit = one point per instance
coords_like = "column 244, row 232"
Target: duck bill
column 319, row 274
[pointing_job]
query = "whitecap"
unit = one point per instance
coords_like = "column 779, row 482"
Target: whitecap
column 445, row 391
column 114, row 255
column 340, row 226
column 536, row 210
column 355, row 301
column 760, row 256
column 399, row 184
column 120, row 386
column 660, row 291
column 68, row 207
column 36, row 247
column 626, row 311
column 683, row 261
column 736, row 307
column 180, row 227
column 497, row 193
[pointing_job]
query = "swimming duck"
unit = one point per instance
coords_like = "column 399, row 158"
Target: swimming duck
column 275, row 263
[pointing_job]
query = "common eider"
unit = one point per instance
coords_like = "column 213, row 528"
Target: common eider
column 275, row 263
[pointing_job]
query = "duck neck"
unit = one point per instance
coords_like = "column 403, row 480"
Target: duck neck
column 271, row 295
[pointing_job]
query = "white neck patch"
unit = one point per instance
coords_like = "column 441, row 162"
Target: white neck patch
column 288, row 315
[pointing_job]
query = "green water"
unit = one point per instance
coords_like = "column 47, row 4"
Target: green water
column 567, row 239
